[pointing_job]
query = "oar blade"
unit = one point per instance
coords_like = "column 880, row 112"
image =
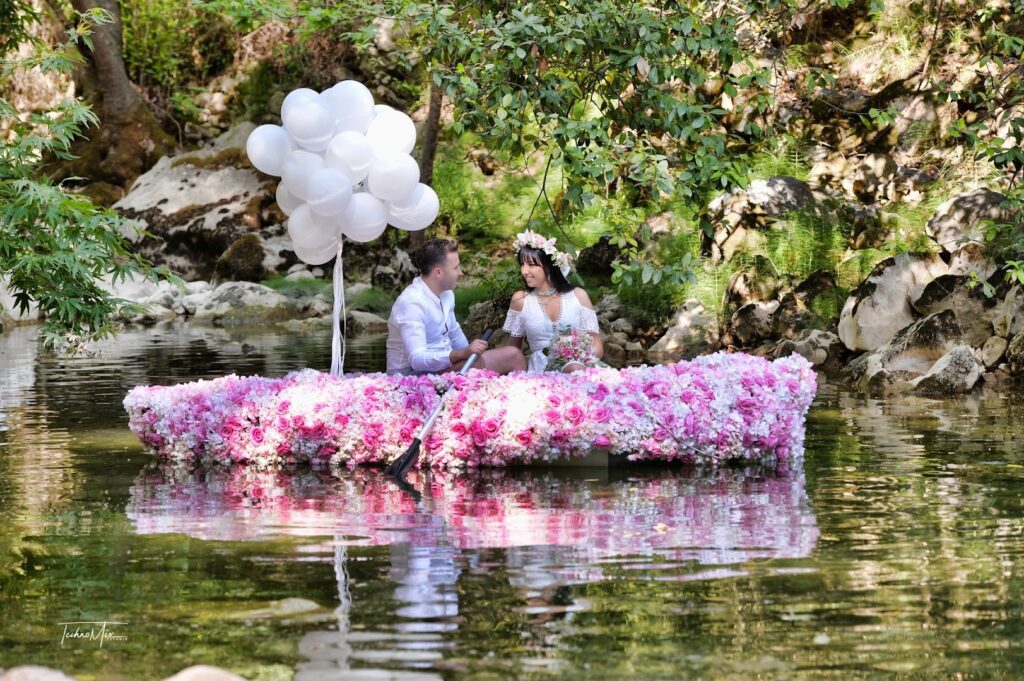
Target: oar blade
column 400, row 466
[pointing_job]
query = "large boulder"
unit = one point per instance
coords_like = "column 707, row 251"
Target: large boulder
column 751, row 324
column 759, row 282
column 911, row 353
column 693, row 332
column 794, row 314
column 958, row 371
column 823, row 349
column 881, row 305
column 1015, row 355
column 972, row 258
column 366, row 323
column 1009, row 314
column 872, row 179
column 738, row 215
column 958, row 220
column 240, row 303
column 195, row 205
column 243, row 260
column 920, row 122
column 975, row 312
column 993, row 351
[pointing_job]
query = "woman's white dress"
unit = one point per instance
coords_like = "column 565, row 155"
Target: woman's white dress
column 537, row 327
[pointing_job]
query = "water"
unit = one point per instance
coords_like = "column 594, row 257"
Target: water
column 895, row 551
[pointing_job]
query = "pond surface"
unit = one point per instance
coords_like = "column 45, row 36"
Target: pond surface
column 895, row 550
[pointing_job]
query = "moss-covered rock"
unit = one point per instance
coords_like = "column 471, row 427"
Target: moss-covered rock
column 1015, row 355
column 243, row 260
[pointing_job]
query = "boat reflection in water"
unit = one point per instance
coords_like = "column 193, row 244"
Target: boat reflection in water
column 554, row 528
column 725, row 516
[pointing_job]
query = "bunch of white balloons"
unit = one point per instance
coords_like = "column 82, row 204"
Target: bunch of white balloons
column 345, row 169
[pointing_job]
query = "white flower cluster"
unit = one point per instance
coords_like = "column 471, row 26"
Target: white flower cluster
column 532, row 239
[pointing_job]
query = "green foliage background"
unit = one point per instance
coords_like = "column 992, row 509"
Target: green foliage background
column 597, row 115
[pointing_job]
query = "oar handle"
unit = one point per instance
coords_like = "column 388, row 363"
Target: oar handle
column 429, row 423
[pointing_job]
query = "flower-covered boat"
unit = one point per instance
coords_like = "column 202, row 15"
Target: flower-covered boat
column 711, row 410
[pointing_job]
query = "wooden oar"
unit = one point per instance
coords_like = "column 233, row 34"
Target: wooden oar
column 402, row 464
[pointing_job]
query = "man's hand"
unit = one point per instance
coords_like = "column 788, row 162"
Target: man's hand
column 476, row 347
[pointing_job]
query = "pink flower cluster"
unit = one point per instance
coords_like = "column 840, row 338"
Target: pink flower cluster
column 711, row 410
column 570, row 346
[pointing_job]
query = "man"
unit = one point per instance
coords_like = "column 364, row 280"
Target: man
column 423, row 334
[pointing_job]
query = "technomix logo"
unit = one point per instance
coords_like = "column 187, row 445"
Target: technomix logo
column 90, row 631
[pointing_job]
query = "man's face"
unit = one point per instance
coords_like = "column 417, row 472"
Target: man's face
column 451, row 270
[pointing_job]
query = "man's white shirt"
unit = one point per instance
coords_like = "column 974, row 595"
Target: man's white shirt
column 422, row 330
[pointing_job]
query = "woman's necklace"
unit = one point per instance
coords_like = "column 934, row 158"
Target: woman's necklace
column 545, row 297
column 548, row 296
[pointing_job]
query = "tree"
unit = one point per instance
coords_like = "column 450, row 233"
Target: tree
column 55, row 246
column 128, row 140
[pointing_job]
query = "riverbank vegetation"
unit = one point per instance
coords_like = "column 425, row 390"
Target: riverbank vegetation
column 600, row 123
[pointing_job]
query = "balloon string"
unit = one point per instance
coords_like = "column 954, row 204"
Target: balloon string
column 339, row 319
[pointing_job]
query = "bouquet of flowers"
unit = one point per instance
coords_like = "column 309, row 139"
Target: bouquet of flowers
column 569, row 346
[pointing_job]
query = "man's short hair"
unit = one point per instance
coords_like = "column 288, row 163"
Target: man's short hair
column 433, row 254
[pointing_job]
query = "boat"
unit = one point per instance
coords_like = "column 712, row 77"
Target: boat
column 713, row 410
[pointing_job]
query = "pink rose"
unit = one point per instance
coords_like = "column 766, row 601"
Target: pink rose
column 257, row 435
column 576, row 415
column 525, row 437
column 602, row 441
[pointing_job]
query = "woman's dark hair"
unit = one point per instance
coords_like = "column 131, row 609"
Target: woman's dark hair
column 535, row 256
column 433, row 254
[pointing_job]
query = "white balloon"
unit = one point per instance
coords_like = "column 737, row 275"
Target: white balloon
column 295, row 96
column 330, row 190
column 393, row 177
column 299, row 166
column 381, row 108
column 391, row 132
column 351, row 153
column 286, row 201
column 267, row 147
column 365, row 219
column 416, row 212
column 309, row 122
column 355, row 90
column 311, row 231
column 316, row 256
column 352, row 105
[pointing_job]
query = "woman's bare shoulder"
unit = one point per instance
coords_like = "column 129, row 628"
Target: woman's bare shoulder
column 518, row 298
column 581, row 295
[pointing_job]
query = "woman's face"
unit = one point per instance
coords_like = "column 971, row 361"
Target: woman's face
column 533, row 274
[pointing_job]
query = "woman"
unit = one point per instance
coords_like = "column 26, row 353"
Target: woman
column 550, row 306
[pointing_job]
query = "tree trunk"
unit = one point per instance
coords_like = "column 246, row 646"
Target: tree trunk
column 119, row 97
column 430, row 130
column 129, row 140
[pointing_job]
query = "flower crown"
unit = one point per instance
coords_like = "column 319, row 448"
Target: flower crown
column 563, row 261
